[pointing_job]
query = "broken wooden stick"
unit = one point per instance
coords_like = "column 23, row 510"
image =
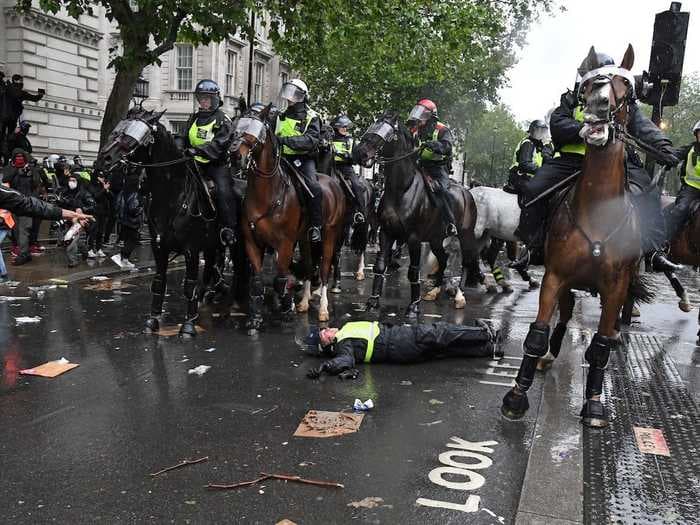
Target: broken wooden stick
column 183, row 463
column 285, row 477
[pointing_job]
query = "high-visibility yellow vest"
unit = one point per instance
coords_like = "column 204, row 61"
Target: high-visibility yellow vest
column 367, row 330
column 200, row 136
column 342, row 148
column 289, row 127
column 692, row 170
column 579, row 148
column 85, row 175
column 536, row 156
column 430, row 155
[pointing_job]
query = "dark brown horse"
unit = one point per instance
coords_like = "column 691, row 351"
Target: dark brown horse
column 593, row 242
column 273, row 217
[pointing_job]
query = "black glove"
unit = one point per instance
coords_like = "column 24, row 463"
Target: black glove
column 434, row 145
column 283, row 141
column 352, row 373
column 190, row 152
column 315, row 373
column 670, row 156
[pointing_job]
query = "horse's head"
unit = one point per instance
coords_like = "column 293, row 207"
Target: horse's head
column 252, row 132
column 130, row 138
column 606, row 91
column 388, row 128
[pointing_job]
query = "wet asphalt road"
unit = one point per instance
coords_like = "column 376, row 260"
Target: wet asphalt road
column 79, row 448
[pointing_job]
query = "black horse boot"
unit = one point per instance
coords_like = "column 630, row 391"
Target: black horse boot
column 593, row 413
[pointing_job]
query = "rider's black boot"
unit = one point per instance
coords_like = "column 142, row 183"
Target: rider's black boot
column 659, row 263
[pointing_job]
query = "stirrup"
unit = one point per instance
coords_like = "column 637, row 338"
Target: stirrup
column 315, row 234
column 451, row 230
column 358, row 218
column 227, row 236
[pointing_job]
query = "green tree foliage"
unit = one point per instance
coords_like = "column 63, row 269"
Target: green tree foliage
column 492, row 137
column 147, row 29
column 364, row 56
column 679, row 120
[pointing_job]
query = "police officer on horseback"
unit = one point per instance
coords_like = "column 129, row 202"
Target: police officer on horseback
column 435, row 143
column 528, row 157
column 568, row 133
column 209, row 134
column 342, row 156
column 298, row 130
column 689, row 194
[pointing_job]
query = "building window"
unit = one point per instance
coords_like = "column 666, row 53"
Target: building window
column 259, row 80
column 284, row 78
column 231, row 69
column 179, row 127
column 183, row 67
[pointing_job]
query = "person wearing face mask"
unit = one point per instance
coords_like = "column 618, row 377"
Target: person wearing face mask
column 209, row 135
column 22, row 178
column 13, row 106
column 76, row 197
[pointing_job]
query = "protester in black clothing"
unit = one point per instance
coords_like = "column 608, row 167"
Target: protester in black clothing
column 100, row 190
column 19, row 140
column 129, row 212
column 116, row 180
column 76, row 197
column 13, row 98
column 373, row 342
column 14, row 202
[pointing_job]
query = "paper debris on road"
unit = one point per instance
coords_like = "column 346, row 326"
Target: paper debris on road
column 27, row 320
column 108, row 286
column 210, row 349
column 50, row 369
column 199, row 370
column 651, row 441
column 54, row 280
column 9, row 298
column 318, row 423
column 369, row 502
column 99, row 278
column 363, row 407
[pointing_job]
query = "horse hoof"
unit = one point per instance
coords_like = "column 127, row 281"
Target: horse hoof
column 187, row 330
column 152, row 325
column 507, row 288
column 534, row 285
column 432, row 295
column 491, row 289
column 514, row 405
column 336, row 290
column 360, row 276
column 323, row 317
column 636, row 312
column 372, row 304
column 593, row 414
column 685, row 307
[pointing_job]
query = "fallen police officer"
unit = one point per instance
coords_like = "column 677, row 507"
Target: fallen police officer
column 373, row 342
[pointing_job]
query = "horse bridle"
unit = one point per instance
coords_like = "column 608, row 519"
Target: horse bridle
column 387, row 160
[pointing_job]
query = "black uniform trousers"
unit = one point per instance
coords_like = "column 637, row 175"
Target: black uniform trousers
column 225, row 199
column 679, row 213
column 307, row 169
column 439, row 174
column 349, row 174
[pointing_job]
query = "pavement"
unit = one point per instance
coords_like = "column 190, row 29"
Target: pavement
column 80, row 448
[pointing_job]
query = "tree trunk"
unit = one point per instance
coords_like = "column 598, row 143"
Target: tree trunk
column 119, row 98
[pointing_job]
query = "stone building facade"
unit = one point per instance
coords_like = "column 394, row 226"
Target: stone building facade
column 68, row 58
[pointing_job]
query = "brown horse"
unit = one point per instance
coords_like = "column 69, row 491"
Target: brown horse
column 593, row 242
column 684, row 249
column 273, row 217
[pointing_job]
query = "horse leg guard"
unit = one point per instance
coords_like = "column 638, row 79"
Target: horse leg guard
column 515, row 402
column 377, row 284
column 593, row 413
column 188, row 327
column 501, row 279
column 286, row 299
column 158, row 295
column 257, row 296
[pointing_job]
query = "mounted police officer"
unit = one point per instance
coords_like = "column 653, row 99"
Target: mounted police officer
column 298, row 129
column 342, row 156
column 435, row 142
column 568, row 129
column 208, row 137
column 528, row 157
column 689, row 194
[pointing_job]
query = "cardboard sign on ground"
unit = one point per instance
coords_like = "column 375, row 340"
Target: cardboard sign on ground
column 651, row 441
column 108, row 285
column 317, row 423
column 50, row 369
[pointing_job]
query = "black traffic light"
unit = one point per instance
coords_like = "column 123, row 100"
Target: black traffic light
column 667, row 53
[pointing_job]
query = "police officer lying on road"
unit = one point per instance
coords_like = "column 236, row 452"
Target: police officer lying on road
column 373, row 342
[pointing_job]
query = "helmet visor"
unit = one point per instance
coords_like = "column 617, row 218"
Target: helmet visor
column 419, row 113
column 208, row 101
column 251, row 126
column 539, row 133
column 383, row 130
column 292, row 93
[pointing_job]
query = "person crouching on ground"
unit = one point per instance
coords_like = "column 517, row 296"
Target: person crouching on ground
column 373, row 342
column 75, row 197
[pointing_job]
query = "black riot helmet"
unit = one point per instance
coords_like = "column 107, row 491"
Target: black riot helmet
column 538, row 130
column 207, row 95
column 257, row 107
column 342, row 121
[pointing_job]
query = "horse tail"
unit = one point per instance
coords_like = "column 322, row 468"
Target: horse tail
column 642, row 288
column 359, row 237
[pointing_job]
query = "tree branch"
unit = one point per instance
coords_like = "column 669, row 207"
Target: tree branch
column 169, row 40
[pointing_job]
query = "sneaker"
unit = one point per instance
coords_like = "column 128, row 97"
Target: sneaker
column 35, row 250
column 91, row 254
column 15, row 251
column 100, row 253
column 127, row 264
column 117, row 259
column 37, row 247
